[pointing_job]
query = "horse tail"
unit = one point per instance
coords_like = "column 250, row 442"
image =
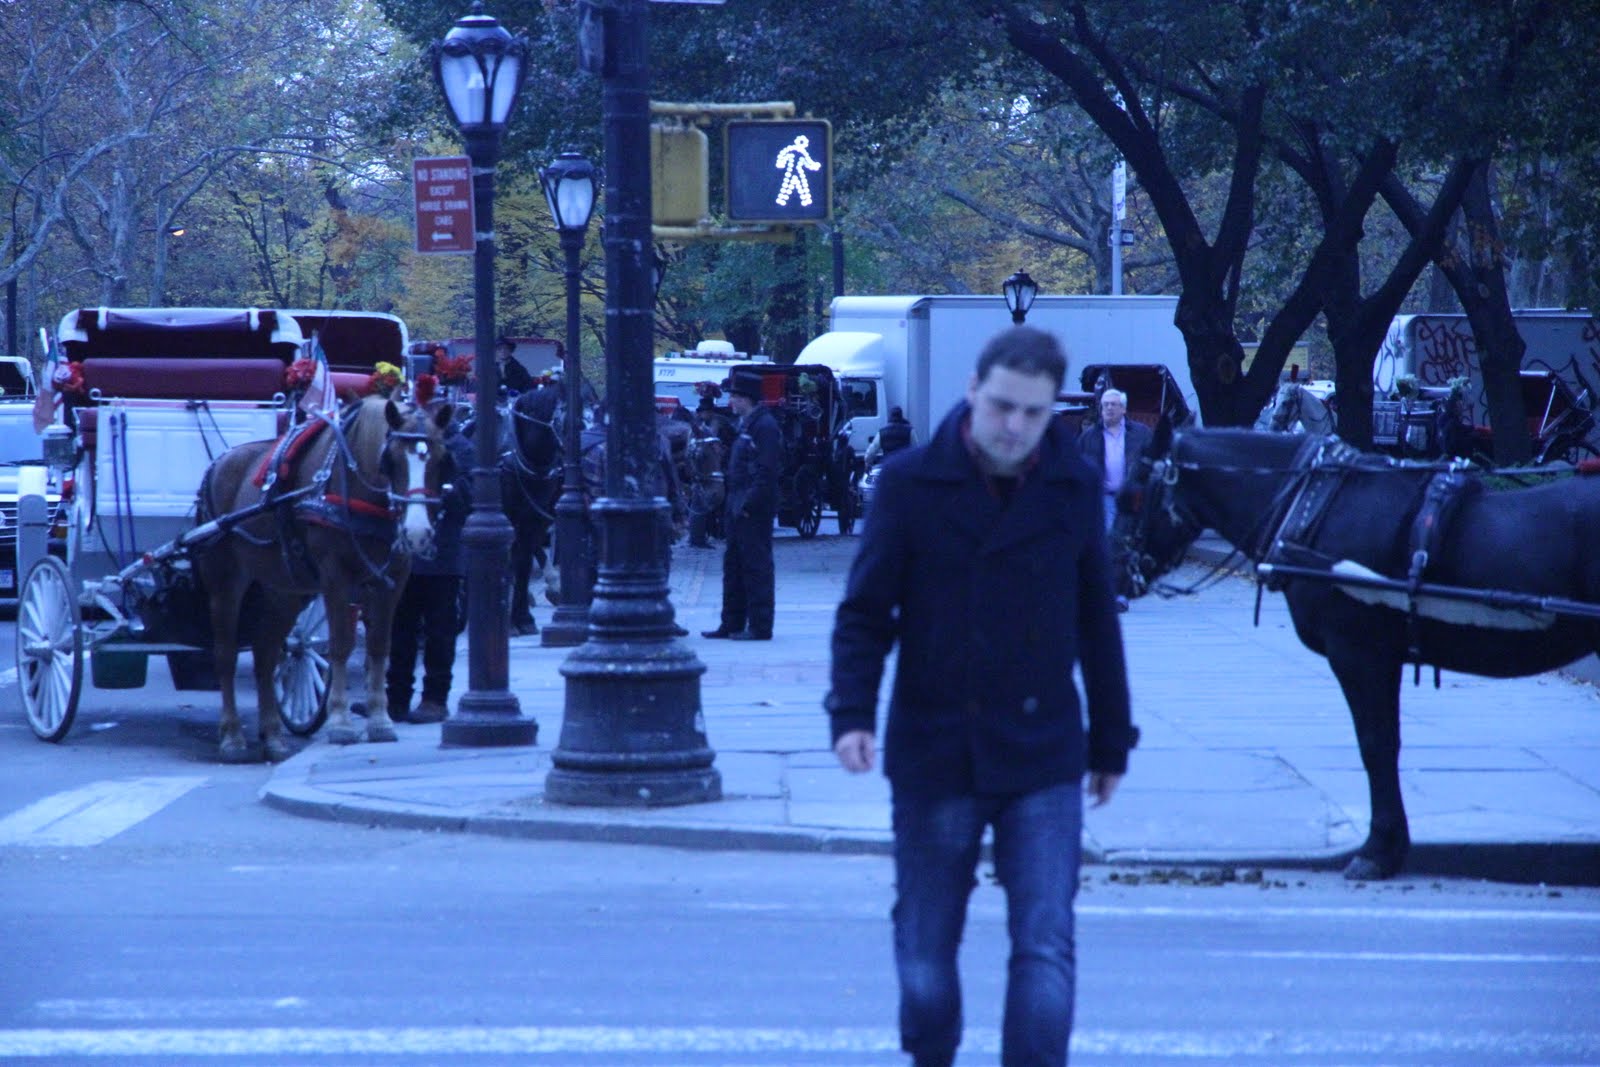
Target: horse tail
column 204, row 508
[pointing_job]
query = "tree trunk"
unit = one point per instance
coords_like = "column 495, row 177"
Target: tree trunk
column 1482, row 290
column 1479, row 285
column 786, row 308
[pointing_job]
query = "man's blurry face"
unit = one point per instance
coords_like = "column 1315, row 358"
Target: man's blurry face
column 1111, row 411
column 741, row 405
column 1010, row 413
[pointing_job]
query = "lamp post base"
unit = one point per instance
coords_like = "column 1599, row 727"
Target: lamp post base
column 488, row 720
column 567, row 628
column 634, row 732
column 632, row 789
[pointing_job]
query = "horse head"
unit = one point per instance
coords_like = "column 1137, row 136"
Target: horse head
column 411, row 457
column 1151, row 532
column 536, row 427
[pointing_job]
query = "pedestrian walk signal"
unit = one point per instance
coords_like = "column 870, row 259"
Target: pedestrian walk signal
column 779, row 170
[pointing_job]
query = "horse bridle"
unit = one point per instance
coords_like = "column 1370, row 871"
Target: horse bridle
column 1151, row 490
column 422, row 442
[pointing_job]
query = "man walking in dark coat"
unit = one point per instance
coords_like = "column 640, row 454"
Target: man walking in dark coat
column 748, row 587
column 429, row 604
column 985, row 558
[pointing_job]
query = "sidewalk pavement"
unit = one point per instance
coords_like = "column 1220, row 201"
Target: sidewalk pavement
column 1248, row 756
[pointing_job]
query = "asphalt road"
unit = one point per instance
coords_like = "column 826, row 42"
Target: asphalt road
column 154, row 912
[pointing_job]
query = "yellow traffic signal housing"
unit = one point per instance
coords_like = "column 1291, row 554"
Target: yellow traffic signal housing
column 678, row 169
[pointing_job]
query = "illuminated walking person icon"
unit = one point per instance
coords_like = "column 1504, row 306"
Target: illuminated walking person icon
column 794, row 161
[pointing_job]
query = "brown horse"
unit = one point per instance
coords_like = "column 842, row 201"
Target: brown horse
column 354, row 503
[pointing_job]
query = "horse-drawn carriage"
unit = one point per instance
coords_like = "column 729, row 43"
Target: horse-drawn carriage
column 818, row 464
column 1151, row 389
column 153, row 402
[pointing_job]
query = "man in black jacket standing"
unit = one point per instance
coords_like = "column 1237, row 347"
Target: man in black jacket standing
column 430, row 604
column 984, row 556
column 748, row 586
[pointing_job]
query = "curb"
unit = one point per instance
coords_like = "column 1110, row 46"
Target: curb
column 547, row 826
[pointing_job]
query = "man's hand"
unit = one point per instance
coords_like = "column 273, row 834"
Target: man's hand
column 1098, row 785
column 856, row 751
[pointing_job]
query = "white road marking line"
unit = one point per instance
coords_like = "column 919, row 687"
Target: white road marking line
column 91, row 814
column 1466, row 915
column 8, row 677
column 1408, row 957
column 161, row 1009
column 610, row 1041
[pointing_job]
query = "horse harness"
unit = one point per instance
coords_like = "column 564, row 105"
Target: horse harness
column 517, row 465
column 316, row 505
column 1321, row 467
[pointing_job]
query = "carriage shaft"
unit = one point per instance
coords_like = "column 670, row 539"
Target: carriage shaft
column 1494, row 598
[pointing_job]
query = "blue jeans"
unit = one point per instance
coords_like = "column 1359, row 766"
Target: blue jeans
column 1037, row 850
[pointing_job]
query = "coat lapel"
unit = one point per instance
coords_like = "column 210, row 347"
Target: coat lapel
column 986, row 524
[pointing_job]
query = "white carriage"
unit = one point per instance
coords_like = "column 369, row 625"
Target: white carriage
column 154, row 395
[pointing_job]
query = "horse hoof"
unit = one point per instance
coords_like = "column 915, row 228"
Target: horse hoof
column 275, row 750
column 343, row 735
column 381, row 733
column 523, row 629
column 1367, row 869
column 235, row 751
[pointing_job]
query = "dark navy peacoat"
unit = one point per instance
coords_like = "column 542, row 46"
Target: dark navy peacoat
column 992, row 603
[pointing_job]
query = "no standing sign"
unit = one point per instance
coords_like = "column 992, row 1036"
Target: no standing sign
column 443, row 189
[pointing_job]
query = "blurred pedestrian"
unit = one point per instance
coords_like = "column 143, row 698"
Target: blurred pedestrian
column 984, row 558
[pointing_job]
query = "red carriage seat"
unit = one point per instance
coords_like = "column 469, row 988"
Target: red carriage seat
column 169, row 378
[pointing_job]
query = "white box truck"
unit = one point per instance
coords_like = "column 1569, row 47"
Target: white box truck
column 917, row 352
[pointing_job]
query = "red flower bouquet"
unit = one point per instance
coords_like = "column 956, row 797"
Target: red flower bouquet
column 68, row 379
column 425, row 389
column 299, row 374
column 452, row 370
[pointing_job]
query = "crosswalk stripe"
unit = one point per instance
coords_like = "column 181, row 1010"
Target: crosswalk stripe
column 93, row 813
column 613, row 1041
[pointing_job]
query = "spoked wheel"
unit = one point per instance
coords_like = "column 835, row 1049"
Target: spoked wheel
column 301, row 680
column 809, row 507
column 49, row 649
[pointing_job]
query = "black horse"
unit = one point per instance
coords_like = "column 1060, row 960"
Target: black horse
column 530, row 482
column 1382, row 563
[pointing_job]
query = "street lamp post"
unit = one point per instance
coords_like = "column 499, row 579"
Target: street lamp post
column 480, row 68
column 569, row 187
column 633, row 730
column 1020, row 291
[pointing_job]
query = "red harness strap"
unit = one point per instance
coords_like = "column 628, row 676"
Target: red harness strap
column 288, row 452
column 363, row 507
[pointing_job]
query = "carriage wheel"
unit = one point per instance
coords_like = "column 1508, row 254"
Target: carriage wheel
column 810, row 506
column 49, row 649
column 301, row 680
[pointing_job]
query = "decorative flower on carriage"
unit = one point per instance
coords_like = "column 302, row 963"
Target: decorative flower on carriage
column 384, row 380
column 425, row 389
column 451, row 370
column 68, row 379
column 299, row 374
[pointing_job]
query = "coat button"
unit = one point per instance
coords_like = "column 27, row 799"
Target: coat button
column 1030, row 705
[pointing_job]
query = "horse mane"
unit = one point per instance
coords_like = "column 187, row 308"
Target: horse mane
column 540, row 403
column 367, row 436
